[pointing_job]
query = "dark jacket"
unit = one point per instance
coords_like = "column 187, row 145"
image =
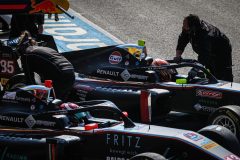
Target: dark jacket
column 211, row 45
column 50, row 65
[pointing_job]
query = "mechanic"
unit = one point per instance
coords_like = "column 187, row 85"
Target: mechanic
column 212, row 46
column 47, row 63
column 33, row 23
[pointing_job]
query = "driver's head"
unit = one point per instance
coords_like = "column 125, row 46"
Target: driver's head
column 68, row 106
column 159, row 62
column 135, row 52
column 191, row 23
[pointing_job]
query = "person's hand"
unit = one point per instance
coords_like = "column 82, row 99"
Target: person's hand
column 177, row 59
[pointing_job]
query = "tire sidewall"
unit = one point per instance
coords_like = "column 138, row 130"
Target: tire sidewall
column 233, row 112
column 222, row 136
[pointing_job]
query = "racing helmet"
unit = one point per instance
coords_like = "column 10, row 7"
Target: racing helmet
column 77, row 117
column 135, row 52
column 68, row 106
column 165, row 75
column 159, row 62
column 140, row 52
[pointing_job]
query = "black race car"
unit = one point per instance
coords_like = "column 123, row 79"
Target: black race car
column 35, row 125
column 124, row 75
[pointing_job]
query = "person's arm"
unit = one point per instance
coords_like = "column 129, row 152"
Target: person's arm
column 183, row 40
column 179, row 53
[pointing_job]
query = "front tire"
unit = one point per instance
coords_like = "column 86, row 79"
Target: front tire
column 229, row 117
column 148, row 156
column 222, row 136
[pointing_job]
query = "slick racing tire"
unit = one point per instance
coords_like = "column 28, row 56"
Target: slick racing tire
column 21, row 145
column 148, row 156
column 222, row 136
column 227, row 116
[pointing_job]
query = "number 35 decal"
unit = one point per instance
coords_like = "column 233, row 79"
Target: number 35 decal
column 7, row 66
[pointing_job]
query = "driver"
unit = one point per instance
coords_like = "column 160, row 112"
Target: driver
column 165, row 74
column 46, row 62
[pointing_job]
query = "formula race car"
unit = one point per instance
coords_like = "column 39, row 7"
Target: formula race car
column 124, row 75
column 36, row 125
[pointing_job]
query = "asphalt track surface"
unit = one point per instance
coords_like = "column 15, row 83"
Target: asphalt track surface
column 159, row 22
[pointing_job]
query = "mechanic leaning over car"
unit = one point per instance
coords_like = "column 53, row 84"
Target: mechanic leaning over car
column 212, row 46
column 30, row 22
column 48, row 63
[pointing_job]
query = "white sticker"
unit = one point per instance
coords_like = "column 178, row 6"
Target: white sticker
column 9, row 95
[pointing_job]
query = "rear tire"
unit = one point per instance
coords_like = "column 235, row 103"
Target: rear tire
column 222, row 136
column 227, row 116
column 148, row 156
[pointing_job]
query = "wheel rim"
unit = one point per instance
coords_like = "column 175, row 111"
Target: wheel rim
column 225, row 121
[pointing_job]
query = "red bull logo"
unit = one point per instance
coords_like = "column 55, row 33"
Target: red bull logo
column 45, row 6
